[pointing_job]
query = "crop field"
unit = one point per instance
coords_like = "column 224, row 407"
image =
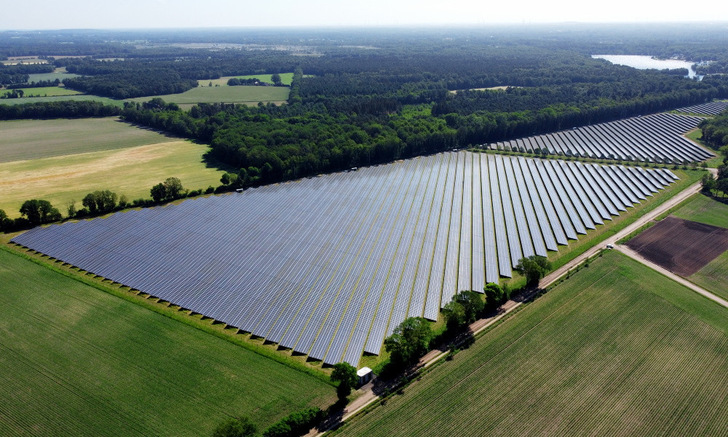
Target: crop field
column 286, row 79
column 249, row 95
column 681, row 246
column 47, row 91
column 617, row 349
column 32, row 139
column 92, row 154
column 59, row 74
column 653, row 138
column 370, row 247
column 77, row 361
column 74, row 97
column 703, row 209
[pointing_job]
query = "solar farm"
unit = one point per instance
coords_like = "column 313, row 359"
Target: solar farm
column 710, row 108
column 329, row 266
column 653, row 138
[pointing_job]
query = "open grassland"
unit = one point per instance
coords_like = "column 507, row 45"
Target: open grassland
column 130, row 172
column 696, row 135
column 77, row 361
column 59, row 73
column 46, row 91
column 249, row 95
column 63, row 160
column 33, row 139
column 617, row 349
column 75, row 97
column 714, row 276
column 703, row 209
column 286, row 79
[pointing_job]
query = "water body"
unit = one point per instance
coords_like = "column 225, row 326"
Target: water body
column 642, row 62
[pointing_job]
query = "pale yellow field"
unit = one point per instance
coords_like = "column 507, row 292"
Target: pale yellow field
column 131, row 172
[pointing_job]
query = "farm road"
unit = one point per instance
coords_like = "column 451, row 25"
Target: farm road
column 367, row 397
column 636, row 256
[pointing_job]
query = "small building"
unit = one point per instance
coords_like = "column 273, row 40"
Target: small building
column 364, row 375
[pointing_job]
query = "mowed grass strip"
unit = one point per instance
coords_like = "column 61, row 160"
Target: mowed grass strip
column 617, row 349
column 32, row 139
column 225, row 94
column 77, row 361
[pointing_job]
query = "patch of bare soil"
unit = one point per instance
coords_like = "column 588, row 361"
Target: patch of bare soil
column 681, row 246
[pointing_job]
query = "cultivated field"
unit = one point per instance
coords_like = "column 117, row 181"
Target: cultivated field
column 77, row 361
column 33, row 139
column 681, row 246
column 617, row 349
column 703, row 209
column 59, row 74
column 47, row 91
column 286, row 79
column 92, row 154
column 249, row 95
column 75, row 98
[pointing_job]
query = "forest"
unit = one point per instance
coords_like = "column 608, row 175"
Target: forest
column 363, row 97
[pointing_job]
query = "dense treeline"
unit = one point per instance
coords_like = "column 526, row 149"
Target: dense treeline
column 16, row 74
column 715, row 131
column 131, row 82
column 372, row 97
column 60, row 109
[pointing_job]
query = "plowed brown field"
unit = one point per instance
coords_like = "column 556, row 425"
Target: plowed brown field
column 681, row 246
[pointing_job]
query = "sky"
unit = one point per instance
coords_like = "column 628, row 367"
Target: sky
column 133, row 14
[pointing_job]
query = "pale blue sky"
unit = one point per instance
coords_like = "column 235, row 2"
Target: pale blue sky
column 105, row 14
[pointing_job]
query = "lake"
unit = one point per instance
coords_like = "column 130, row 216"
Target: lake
column 643, row 62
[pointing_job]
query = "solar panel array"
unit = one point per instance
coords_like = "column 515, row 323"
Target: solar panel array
column 329, row 266
column 653, row 138
column 712, row 108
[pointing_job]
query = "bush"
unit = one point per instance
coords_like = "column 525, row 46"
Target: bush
column 295, row 424
column 235, row 427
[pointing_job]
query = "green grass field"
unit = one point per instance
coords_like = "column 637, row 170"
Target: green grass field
column 59, row 74
column 74, row 98
column 714, row 276
column 617, row 349
column 92, row 154
column 47, row 91
column 286, row 79
column 703, row 209
column 77, row 361
column 249, row 95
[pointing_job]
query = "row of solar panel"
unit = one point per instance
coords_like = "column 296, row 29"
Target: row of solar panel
column 329, row 266
column 653, row 138
column 711, row 108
